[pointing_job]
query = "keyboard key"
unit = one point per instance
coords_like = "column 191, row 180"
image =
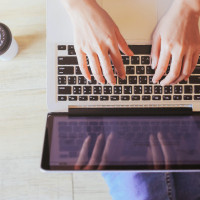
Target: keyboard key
column 130, row 70
column 198, row 61
column 194, row 80
column 71, row 80
column 187, row 97
column 67, row 60
column 177, row 97
column 149, row 70
column 123, row 81
column 61, row 47
column 168, row 89
column 78, row 71
column 70, row 47
column 135, row 98
column 97, row 90
column 125, row 98
column 62, row 98
column 183, row 82
column 77, row 89
column 188, row 89
column 196, row 97
column 156, row 98
column 82, row 80
column 61, row 80
column 197, row 70
column 125, row 60
column 139, row 69
column 137, row 89
column 107, row 89
column 135, row 60
column 94, row 98
column 87, row 90
column 83, row 98
column 66, row 70
column 167, row 97
column 90, row 70
column 64, row 90
column 104, row 98
column 132, row 79
column 143, row 80
column 146, row 98
column 147, row 90
column 114, row 98
column 117, row 89
column 127, row 89
column 197, row 89
column 178, row 90
column 71, row 52
column 157, row 89
column 141, row 49
column 145, row 60
column 93, row 81
column 72, row 98
column 150, row 80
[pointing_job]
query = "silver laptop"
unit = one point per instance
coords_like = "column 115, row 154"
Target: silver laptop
column 66, row 86
column 68, row 92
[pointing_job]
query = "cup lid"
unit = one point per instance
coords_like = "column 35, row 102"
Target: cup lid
column 5, row 38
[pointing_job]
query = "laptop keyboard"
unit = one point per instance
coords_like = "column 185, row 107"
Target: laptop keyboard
column 138, row 85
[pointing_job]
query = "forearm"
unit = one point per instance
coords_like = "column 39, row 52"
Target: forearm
column 194, row 5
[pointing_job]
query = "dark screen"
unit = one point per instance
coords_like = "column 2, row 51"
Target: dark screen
column 107, row 143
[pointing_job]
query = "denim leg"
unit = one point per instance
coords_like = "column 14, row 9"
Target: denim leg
column 140, row 186
column 187, row 186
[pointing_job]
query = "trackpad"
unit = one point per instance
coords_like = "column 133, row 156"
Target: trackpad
column 136, row 19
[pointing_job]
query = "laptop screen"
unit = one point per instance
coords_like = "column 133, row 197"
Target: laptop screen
column 124, row 143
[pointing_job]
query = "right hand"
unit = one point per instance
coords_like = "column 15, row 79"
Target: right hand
column 97, row 36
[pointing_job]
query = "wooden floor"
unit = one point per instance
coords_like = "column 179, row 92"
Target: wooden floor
column 23, row 113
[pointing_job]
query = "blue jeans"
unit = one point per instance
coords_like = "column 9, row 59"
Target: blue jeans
column 153, row 186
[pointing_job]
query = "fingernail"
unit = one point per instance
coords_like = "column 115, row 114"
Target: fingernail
column 172, row 83
column 161, row 83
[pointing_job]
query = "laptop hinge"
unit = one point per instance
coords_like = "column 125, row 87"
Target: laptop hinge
column 131, row 110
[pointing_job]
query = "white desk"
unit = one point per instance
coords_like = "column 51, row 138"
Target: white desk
column 23, row 115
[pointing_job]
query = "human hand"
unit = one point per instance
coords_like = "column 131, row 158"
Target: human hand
column 97, row 36
column 177, row 37
column 103, row 153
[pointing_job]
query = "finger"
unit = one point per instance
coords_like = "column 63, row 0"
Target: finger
column 195, row 59
column 97, row 151
column 167, row 149
column 155, row 51
column 122, row 44
column 163, row 64
column 95, row 67
column 117, row 61
column 186, row 69
column 83, row 155
column 83, row 64
column 175, row 70
column 156, row 151
column 106, row 66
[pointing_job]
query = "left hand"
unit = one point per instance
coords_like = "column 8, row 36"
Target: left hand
column 177, row 37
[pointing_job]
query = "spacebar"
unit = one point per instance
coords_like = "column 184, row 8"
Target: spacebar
column 67, row 60
column 140, row 49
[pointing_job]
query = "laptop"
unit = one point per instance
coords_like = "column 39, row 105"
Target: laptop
column 86, row 117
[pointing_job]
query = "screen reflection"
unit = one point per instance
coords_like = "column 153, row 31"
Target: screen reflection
column 88, row 143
